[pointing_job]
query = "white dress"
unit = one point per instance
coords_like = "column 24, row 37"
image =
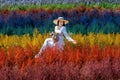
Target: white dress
column 60, row 44
column 62, row 32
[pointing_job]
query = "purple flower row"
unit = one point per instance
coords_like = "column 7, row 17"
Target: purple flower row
column 92, row 70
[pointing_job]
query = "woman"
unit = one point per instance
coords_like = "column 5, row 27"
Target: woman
column 60, row 31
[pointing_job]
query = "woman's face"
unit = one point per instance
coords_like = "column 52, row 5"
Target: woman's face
column 60, row 23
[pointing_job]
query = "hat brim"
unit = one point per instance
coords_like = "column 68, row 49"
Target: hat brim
column 56, row 20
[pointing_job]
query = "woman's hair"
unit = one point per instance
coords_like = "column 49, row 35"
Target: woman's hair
column 58, row 23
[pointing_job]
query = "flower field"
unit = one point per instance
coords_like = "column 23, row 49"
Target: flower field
column 85, row 19
column 96, row 56
column 102, row 40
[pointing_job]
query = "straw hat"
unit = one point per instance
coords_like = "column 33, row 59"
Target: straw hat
column 60, row 18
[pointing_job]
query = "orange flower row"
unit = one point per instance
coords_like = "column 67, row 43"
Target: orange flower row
column 23, row 57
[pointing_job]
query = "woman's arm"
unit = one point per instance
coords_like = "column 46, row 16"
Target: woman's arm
column 56, row 30
column 66, row 34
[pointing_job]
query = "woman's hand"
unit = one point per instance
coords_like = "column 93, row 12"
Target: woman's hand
column 74, row 42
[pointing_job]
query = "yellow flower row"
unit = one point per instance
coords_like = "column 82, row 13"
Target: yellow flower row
column 98, row 39
column 37, row 39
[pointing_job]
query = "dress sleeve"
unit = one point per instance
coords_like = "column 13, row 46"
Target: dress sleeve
column 66, row 34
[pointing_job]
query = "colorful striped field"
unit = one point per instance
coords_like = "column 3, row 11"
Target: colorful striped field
column 96, row 56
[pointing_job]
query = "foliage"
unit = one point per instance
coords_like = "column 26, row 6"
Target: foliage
column 81, row 19
column 58, row 6
column 37, row 39
column 80, row 62
column 95, row 26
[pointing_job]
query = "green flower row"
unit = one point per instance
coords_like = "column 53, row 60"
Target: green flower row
column 59, row 6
